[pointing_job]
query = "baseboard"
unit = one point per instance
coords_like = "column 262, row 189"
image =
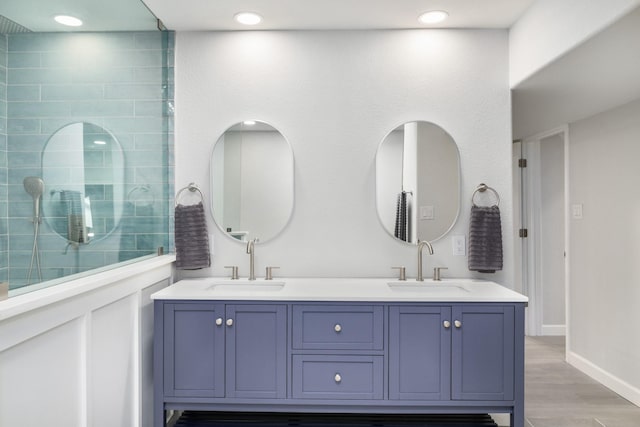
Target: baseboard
column 554, row 330
column 623, row 388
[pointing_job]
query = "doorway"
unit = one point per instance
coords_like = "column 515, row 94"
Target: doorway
column 541, row 189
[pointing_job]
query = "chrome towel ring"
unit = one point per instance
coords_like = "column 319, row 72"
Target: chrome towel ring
column 481, row 189
column 192, row 187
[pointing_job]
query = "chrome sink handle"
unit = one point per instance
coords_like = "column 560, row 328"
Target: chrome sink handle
column 234, row 271
column 436, row 273
column 402, row 270
column 269, row 273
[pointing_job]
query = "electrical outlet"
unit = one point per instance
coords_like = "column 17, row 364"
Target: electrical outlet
column 459, row 245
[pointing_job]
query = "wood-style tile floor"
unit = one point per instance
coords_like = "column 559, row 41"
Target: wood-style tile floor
column 558, row 395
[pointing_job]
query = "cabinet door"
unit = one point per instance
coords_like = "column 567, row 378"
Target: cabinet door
column 194, row 350
column 483, row 352
column 419, row 353
column 256, row 351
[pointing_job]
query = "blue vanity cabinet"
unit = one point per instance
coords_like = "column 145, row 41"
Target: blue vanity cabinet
column 483, row 352
column 462, row 352
column 194, row 350
column 340, row 357
column 256, row 351
column 214, row 350
column 337, row 351
column 419, row 352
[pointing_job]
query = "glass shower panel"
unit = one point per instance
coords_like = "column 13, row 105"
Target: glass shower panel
column 115, row 84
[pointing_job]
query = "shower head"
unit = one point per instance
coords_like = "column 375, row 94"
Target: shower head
column 35, row 187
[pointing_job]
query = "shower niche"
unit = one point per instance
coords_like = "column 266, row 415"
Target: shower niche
column 84, row 175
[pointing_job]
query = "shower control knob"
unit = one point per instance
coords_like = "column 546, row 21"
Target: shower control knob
column 219, row 321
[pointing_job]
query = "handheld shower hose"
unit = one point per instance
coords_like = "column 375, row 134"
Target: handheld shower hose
column 35, row 187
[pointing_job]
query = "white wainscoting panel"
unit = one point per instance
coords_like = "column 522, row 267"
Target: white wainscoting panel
column 82, row 354
column 41, row 379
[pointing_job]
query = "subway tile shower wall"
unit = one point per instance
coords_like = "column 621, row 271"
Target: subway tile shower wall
column 4, row 237
column 120, row 81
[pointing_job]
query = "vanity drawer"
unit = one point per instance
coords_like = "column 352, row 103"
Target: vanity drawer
column 337, row 377
column 338, row 327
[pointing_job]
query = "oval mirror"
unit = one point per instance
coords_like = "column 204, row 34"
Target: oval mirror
column 83, row 170
column 418, row 182
column 252, row 181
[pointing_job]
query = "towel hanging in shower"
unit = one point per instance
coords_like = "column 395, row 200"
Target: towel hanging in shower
column 76, row 227
column 191, row 236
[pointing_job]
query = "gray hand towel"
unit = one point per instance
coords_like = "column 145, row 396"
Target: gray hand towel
column 485, row 239
column 401, row 228
column 191, row 237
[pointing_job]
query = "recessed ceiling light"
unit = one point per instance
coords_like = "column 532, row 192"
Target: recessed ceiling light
column 433, row 17
column 248, row 18
column 67, row 20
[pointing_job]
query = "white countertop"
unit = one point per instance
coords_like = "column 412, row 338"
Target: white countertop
column 339, row 289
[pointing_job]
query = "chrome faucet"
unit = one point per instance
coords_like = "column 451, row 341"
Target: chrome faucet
column 421, row 245
column 251, row 251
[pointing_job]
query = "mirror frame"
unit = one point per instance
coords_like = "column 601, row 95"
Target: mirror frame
column 286, row 223
column 459, row 195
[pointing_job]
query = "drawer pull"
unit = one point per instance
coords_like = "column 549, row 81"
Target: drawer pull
column 219, row 321
column 229, row 322
column 337, row 328
column 446, row 324
column 458, row 324
column 337, row 378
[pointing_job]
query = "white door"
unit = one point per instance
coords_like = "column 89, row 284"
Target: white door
column 541, row 190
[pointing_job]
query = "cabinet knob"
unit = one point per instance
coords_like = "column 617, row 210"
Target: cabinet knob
column 446, row 324
column 337, row 327
column 457, row 323
column 229, row 322
column 219, row 321
column 337, row 378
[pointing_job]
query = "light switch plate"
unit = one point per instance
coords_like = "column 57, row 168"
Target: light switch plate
column 459, row 245
column 576, row 211
column 426, row 212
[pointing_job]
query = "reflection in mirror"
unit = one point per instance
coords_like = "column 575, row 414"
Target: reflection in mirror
column 252, row 181
column 83, row 168
column 418, row 182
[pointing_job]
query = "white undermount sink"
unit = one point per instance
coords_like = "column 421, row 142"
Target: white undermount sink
column 428, row 287
column 245, row 286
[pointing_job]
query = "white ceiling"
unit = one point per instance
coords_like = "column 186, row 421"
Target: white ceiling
column 600, row 74
column 335, row 14
column 192, row 15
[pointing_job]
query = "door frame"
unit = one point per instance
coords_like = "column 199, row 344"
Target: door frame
column 529, row 218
